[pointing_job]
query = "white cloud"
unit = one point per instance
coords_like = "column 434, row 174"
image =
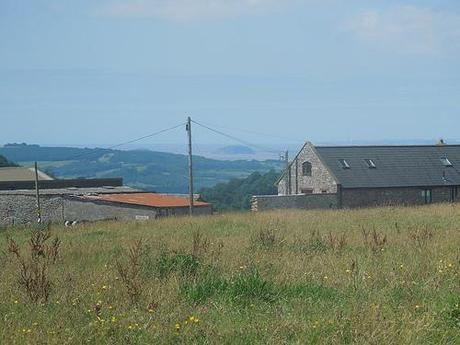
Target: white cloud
column 408, row 29
column 184, row 9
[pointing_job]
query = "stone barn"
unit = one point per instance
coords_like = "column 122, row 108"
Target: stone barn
column 84, row 200
column 364, row 176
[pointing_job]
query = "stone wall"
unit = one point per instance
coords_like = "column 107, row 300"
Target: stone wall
column 21, row 209
column 306, row 201
column 320, row 181
column 368, row 197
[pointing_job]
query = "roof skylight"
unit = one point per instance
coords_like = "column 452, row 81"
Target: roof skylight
column 370, row 163
column 446, row 162
column 344, row 164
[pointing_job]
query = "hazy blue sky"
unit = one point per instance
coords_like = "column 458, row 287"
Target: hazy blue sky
column 104, row 71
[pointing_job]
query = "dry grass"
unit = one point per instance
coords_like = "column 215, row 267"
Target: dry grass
column 377, row 276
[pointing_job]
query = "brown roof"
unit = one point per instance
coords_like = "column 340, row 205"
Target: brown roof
column 149, row 199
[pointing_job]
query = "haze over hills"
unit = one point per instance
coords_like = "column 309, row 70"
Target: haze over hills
column 148, row 170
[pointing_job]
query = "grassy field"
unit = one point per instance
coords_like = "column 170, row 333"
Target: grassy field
column 377, row 276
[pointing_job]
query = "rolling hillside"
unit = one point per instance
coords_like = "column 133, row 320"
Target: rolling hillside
column 149, row 170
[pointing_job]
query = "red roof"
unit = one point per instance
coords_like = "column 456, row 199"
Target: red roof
column 150, row 199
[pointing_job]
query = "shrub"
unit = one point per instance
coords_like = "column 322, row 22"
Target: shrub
column 129, row 272
column 34, row 269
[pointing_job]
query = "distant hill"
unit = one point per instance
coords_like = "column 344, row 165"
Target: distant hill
column 6, row 163
column 236, row 194
column 148, row 170
column 236, row 150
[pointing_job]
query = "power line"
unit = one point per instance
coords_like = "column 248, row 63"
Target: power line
column 235, row 138
column 267, row 135
column 128, row 142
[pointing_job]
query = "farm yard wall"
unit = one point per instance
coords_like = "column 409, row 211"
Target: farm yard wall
column 301, row 201
column 21, row 209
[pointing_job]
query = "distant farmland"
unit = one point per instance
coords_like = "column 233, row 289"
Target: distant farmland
column 376, row 276
column 149, row 170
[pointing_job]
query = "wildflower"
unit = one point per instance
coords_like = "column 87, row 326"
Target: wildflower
column 325, row 277
column 417, row 306
column 401, row 266
column 177, row 327
column 35, row 324
column 29, row 331
column 16, row 302
column 104, row 287
column 130, row 327
column 348, row 271
column 110, row 307
column 194, row 319
column 449, row 265
column 114, row 319
column 98, row 303
column 151, row 310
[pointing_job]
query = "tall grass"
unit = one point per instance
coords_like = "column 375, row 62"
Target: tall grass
column 375, row 276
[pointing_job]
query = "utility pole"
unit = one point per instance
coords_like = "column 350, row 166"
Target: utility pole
column 190, row 164
column 37, row 195
column 288, row 175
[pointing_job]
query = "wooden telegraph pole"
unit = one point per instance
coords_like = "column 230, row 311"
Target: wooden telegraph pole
column 37, row 195
column 190, row 164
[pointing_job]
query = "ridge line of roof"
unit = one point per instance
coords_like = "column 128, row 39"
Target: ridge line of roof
column 389, row 145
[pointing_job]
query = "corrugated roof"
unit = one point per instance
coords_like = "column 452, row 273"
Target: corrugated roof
column 72, row 191
column 21, row 174
column 148, row 199
column 396, row 166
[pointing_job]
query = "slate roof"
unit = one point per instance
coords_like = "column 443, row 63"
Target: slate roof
column 396, row 166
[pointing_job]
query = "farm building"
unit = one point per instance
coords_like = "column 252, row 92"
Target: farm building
column 83, row 200
column 362, row 176
column 9, row 174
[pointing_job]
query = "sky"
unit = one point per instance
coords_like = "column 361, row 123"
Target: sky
column 100, row 72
